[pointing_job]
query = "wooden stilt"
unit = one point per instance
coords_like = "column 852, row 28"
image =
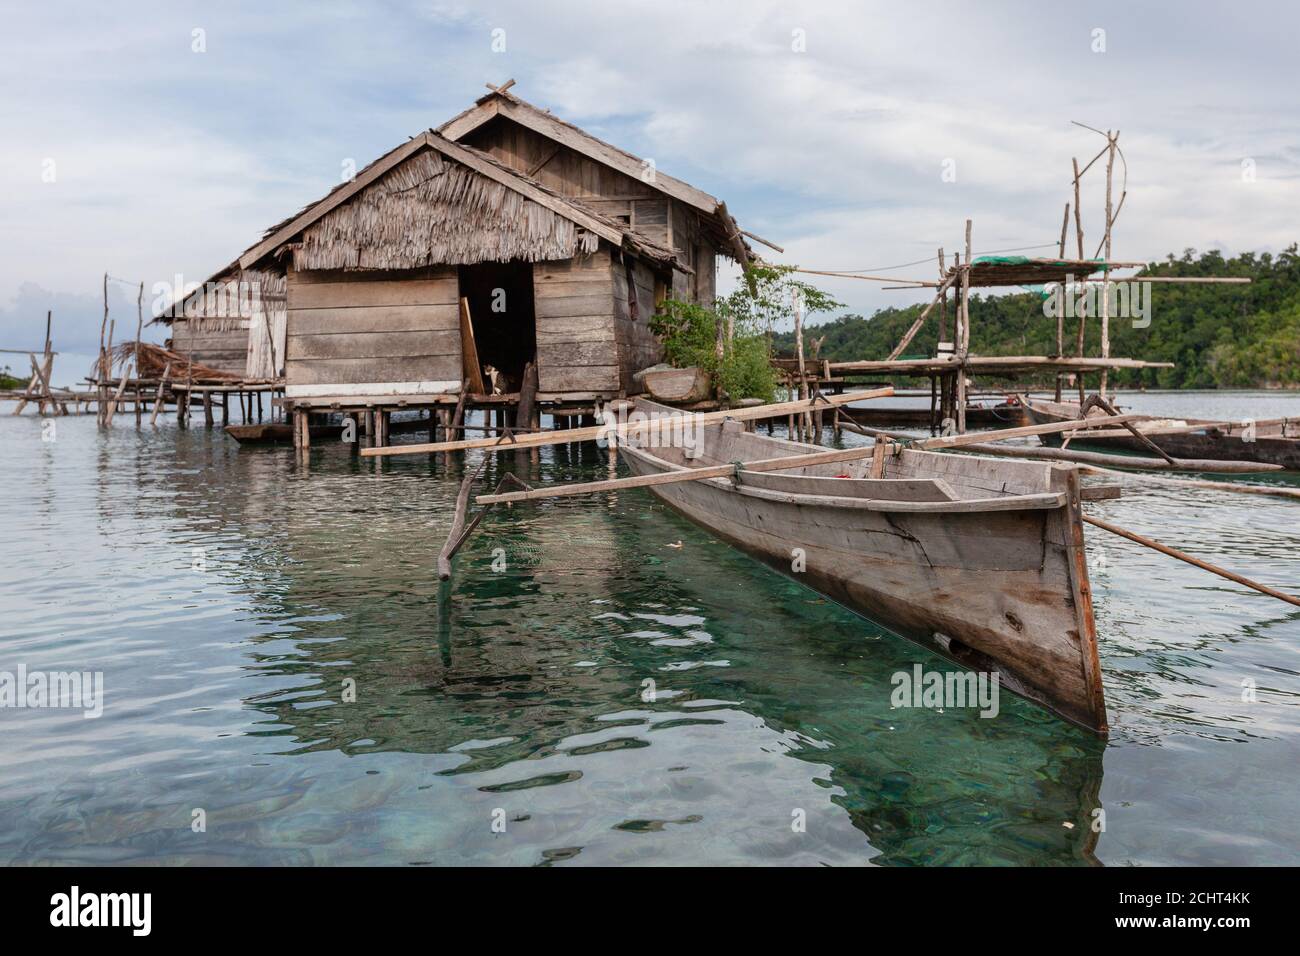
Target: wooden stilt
column 158, row 398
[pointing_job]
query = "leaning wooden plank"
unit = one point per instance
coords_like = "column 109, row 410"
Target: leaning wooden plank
column 471, row 370
column 621, row 431
column 158, row 398
column 114, row 401
column 1197, row 562
column 920, row 320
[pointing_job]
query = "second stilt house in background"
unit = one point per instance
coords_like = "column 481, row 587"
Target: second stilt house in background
column 505, row 238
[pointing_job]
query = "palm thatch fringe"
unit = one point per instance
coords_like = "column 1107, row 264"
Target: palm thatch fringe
column 154, row 359
column 429, row 211
column 229, row 299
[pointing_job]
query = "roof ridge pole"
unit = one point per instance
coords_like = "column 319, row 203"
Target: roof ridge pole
column 1105, row 285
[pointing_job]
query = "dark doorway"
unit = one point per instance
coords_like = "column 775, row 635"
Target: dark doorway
column 501, row 309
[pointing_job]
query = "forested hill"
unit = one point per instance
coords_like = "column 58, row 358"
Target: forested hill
column 1218, row 336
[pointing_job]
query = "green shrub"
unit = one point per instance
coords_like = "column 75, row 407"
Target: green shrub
column 690, row 332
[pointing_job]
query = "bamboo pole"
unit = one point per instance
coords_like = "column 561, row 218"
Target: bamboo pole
column 774, row 464
column 103, row 372
column 1105, row 287
column 674, row 477
column 1190, row 280
column 906, row 340
column 1078, row 218
column 917, row 283
column 1196, row 562
column 1274, row 491
column 158, row 398
column 1091, row 457
column 139, row 329
column 943, row 303
column 623, row 430
column 1060, row 305
column 964, row 347
column 805, row 422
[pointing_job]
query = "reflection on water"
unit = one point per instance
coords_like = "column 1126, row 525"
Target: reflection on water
column 320, row 698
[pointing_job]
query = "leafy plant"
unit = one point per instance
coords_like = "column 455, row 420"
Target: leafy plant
column 744, row 321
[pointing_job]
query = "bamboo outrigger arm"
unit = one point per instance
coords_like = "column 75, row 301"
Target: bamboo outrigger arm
column 788, row 461
column 626, row 429
column 1195, row 562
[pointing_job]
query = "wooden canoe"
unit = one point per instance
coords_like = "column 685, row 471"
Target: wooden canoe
column 276, row 433
column 979, row 559
column 281, row 433
column 1275, row 441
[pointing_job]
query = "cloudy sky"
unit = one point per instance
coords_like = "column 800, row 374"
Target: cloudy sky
column 155, row 140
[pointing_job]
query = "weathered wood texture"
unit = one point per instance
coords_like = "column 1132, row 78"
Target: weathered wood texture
column 678, row 385
column 577, row 349
column 993, row 587
column 367, row 328
column 1272, row 441
column 638, row 348
column 214, row 343
column 665, row 220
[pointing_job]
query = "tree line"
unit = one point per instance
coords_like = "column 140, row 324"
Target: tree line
column 1217, row 335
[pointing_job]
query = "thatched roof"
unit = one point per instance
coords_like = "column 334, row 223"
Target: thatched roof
column 229, row 297
column 434, row 202
column 430, row 211
column 716, row 221
column 155, row 360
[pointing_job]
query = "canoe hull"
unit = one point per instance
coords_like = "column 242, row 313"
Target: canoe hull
column 993, row 590
column 1211, row 444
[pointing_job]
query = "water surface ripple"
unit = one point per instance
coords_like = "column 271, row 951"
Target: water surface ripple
column 231, row 598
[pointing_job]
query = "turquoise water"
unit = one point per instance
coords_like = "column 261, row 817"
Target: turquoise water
column 502, row 720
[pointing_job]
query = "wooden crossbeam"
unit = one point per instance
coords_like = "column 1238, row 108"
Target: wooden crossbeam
column 780, row 464
column 623, row 430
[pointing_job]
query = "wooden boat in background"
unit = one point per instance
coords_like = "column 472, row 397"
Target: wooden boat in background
column 281, row 433
column 1275, row 441
column 277, row 433
column 980, row 559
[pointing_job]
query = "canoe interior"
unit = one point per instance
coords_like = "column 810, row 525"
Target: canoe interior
column 981, row 559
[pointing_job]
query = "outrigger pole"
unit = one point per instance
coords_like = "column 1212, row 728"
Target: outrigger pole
column 624, row 429
column 794, row 461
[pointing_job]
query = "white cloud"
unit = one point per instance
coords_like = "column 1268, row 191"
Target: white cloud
column 173, row 162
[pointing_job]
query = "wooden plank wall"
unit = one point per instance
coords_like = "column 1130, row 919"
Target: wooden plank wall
column 613, row 193
column 566, row 171
column 637, row 346
column 373, row 333
column 577, row 351
column 226, row 350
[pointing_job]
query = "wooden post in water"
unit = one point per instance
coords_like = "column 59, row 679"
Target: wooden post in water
column 1060, row 304
column 964, row 346
column 1083, row 309
column 102, row 375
